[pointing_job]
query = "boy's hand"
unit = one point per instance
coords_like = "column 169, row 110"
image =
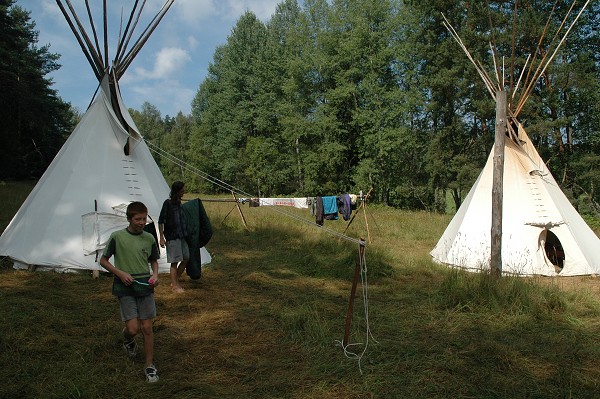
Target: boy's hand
column 126, row 278
column 153, row 280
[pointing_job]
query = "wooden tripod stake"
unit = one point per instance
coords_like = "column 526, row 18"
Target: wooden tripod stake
column 237, row 205
column 363, row 205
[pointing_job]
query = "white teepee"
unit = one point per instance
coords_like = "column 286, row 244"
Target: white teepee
column 539, row 223
column 542, row 233
column 81, row 198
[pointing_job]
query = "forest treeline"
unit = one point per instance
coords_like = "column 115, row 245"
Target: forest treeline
column 346, row 95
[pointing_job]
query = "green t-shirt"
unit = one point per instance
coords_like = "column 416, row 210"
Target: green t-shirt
column 132, row 253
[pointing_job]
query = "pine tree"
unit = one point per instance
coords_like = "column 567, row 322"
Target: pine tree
column 35, row 121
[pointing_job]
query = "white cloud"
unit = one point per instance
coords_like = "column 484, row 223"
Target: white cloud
column 51, row 9
column 263, row 9
column 194, row 12
column 192, row 42
column 170, row 96
column 168, row 61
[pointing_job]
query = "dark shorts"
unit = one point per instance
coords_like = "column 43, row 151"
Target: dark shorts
column 137, row 307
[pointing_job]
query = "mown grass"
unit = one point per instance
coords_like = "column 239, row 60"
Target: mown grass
column 264, row 321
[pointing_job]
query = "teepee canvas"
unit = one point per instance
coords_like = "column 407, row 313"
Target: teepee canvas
column 541, row 232
column 81, row 198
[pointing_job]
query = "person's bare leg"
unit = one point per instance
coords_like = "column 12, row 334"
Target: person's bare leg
column 150, row 369
column 175, row 279
column 132, row 328
column 148, row 341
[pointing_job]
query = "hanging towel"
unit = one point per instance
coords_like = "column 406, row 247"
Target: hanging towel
column 330, row 208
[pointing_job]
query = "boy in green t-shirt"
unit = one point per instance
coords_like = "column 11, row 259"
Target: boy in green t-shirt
column 133, row 248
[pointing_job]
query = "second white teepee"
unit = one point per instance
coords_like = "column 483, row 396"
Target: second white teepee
column 543, row 234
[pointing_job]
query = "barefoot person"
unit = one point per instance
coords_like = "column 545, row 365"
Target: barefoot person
column 133, row 250
column 173, row 230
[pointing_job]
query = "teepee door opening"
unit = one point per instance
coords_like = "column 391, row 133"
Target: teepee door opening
column 553, row 249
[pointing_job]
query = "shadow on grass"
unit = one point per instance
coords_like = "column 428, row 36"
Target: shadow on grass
column 276, row 249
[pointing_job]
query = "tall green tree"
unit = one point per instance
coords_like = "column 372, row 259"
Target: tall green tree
column 304, row 95
column 564, row 108
column 35, row 121
column 200, row 158
column 446, row 118
column 380, row 104
column 151, row 125
column 176, row 142
column 150, row 122
column 228, row 101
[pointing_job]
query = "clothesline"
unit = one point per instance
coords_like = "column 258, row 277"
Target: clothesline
column 344, row 205
column 322, row 208
column 296, row 202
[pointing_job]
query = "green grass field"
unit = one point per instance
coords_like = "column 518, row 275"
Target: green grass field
column 266, row 317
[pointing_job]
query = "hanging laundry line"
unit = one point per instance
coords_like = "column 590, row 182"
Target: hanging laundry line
column 322, row 208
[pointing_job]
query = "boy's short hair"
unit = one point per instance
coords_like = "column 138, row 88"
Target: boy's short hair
column 134, row 208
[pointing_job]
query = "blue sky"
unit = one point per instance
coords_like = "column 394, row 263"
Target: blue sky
column 172, row 64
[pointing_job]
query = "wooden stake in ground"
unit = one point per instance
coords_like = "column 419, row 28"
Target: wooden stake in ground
column 96, row 273
column 357, row 270
column 497, row 185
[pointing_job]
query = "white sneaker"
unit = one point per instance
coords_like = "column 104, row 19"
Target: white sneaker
column 151, row 373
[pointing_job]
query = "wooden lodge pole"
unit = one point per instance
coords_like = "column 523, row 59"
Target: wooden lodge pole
column 497, row 185
column 237, row 204
column 357, row 270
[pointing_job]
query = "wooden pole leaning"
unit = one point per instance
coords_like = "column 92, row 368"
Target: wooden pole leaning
column 497, row 185
column 357, row 271
column 237, row 204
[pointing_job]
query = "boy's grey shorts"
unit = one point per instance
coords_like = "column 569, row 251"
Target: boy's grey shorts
column 142, row 307
column 177, row 250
